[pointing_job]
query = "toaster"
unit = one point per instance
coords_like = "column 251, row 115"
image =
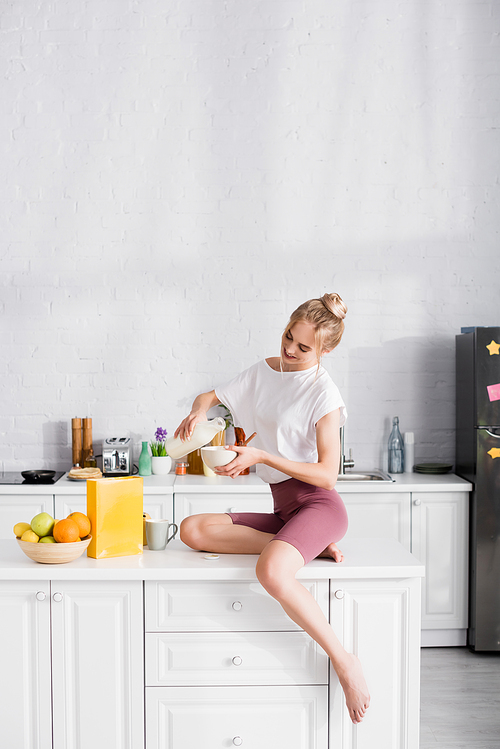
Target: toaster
column 117, row 456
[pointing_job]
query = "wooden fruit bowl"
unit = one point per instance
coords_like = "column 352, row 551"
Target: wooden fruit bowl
column 54, row 553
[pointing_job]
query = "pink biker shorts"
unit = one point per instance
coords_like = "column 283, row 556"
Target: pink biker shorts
column 305, row 516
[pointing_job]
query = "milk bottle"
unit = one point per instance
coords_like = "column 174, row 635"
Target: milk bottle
column 203, row 433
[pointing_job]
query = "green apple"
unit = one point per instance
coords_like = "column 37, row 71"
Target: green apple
column 42, row 524
column 47, row 540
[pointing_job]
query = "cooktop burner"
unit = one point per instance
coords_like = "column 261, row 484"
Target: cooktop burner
column 14, row 477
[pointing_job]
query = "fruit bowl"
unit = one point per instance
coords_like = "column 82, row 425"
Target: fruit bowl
column 54, row 553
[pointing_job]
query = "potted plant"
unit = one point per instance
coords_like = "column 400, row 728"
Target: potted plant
column 161, row 462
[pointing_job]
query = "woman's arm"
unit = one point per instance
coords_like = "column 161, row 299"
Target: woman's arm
column 202, row 403
column 324, row 473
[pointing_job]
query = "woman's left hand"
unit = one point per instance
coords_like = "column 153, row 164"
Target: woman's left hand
column 247, row 456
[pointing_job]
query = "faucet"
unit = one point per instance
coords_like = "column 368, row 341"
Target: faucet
column 349, row 463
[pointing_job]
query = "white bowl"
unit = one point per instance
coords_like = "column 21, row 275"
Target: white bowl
column 217, row 456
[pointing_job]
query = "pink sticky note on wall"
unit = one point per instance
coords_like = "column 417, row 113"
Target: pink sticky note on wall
column 494, row 392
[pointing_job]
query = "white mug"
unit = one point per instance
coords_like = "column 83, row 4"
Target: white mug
column 157, row 533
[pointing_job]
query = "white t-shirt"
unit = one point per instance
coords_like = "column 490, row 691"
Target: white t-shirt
column 283, row 408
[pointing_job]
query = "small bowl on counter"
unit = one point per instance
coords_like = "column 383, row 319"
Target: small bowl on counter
column 54, row 553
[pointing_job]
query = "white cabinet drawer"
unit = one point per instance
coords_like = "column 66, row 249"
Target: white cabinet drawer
column 226, row 606
column 250, row 717
column 220, row 658
column 193, row 504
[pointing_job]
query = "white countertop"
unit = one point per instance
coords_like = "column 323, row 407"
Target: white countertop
column 403, row 482
column 409, row 482
column 364, row 559
column 251, row 484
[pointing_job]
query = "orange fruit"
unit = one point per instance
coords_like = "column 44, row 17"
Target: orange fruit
column 82, row 522
column 66, row 531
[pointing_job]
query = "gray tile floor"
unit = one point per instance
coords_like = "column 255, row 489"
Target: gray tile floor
column 460, row 699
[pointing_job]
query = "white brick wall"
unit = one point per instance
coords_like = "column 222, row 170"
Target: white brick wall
column 178, row 176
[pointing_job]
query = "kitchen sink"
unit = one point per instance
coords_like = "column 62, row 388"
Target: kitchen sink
column 364, row 476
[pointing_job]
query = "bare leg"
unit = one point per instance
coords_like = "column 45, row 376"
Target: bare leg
column 276, row 568
column 216, row 532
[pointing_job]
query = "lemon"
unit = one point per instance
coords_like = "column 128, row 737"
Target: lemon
column 29, row 536
column 19, row 529
column 47, row 540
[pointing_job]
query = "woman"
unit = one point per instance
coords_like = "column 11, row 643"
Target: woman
column 297, row 411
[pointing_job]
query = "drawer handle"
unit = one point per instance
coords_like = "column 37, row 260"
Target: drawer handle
column 232, row 509
column 237, row 660
column 57, row 597
column 339, row 594
column 40, row 596
column 418, row 502
column 237, row 605
column 237, row 741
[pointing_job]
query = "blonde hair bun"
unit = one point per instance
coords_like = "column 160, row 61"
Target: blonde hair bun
column 335, row 305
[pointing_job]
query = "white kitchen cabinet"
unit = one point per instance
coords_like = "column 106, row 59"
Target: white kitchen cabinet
column 380, row 515
column 378, row 620
column 25, row 686
column 440, row 541
column 433, row 525
column 17, row 507
column 195, row 503
column 225, row 666
column 97, row 665
column 82, row 640
column 293, row 717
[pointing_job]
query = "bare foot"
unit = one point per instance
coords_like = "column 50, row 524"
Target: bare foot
column 332, row 551
column 353, row 683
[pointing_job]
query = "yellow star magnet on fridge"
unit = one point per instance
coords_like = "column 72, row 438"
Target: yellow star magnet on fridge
column 494, row 452
column 493, row 348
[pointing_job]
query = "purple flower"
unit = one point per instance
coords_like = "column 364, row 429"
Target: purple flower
column 160, row 435
column 158, row 448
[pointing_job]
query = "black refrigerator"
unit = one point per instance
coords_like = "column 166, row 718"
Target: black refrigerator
column 478, row 460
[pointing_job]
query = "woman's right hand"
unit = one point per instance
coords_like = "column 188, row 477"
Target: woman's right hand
column 202, row 403
column 187, row 425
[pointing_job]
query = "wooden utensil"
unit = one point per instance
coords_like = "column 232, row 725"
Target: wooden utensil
column 245, row 443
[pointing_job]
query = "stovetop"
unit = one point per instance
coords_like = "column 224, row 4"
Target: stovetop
column 14, row 477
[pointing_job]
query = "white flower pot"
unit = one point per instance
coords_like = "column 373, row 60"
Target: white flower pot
column 161, row 466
